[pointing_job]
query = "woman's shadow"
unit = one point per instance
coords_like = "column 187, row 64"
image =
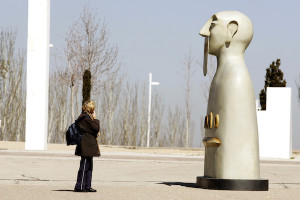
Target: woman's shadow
column 190, row 185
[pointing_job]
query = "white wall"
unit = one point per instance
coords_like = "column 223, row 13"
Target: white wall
column 274, row 124
column 37, row 74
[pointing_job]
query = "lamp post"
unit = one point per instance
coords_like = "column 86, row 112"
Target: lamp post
column 149, row 108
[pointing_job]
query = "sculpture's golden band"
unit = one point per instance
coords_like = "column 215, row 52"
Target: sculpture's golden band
column 211, row 142
column 209, row 121
column 216, row 121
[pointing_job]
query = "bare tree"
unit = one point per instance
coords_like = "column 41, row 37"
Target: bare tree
column 143, row 116
column 157, row 114
column 175, row 127
column 58, row 108
column 93, row 50
column 109, row 103
column 188, row 70
column 88, row 47
column 12, row 90
column 129, row 115
column 73, row 73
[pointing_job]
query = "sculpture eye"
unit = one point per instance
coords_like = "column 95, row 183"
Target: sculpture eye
column 212, row 25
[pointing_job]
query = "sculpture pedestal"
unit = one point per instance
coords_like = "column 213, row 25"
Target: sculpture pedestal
column 233, row 184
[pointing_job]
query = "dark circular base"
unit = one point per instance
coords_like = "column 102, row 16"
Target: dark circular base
column 233, row 184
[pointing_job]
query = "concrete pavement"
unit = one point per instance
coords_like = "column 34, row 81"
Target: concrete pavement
column 124, row 173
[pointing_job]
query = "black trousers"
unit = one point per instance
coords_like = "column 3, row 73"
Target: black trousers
column 84, row 176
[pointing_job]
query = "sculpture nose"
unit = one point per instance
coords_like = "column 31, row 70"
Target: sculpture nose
column 204, row 33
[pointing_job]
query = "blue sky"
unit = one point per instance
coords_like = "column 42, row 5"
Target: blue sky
column 153, row 36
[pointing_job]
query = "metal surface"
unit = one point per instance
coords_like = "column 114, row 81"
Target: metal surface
column 233, row 184
column 211, row 142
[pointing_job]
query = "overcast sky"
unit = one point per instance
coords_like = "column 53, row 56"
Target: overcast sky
column 153, row 36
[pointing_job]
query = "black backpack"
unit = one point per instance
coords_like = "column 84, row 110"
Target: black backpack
column 73, row 135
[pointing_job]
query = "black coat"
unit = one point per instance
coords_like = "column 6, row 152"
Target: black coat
column 89, row 145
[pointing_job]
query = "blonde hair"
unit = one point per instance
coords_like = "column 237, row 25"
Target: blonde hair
column 88, row 107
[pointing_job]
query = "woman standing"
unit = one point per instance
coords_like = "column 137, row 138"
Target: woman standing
column 89, row 126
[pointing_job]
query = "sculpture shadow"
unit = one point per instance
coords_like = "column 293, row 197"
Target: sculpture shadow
column 63, row 190
column 189, row 185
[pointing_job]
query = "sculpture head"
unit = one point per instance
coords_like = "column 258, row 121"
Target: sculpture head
column 227, row 31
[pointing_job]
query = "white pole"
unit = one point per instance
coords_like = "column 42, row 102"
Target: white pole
column 149, row 110
column 38, row 41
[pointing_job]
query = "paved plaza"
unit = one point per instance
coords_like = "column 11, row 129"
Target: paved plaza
column 129, row 173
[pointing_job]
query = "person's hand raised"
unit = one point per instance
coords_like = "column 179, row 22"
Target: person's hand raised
column 94, row 115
